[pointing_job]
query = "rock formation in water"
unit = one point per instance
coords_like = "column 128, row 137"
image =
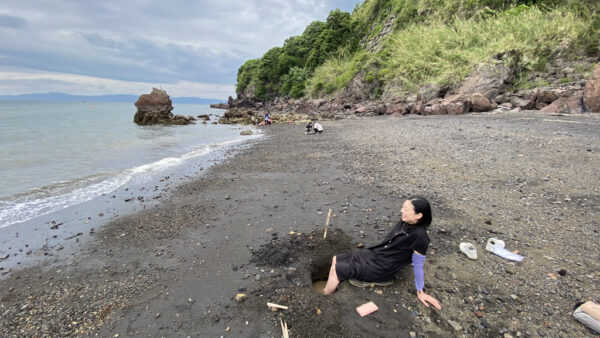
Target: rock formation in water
column 155, row 108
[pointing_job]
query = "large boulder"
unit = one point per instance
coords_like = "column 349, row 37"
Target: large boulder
column 487, row 80
column 566, row 105
column 155, row 108
column 480, row 103
column 591, row 93
column 429, row 92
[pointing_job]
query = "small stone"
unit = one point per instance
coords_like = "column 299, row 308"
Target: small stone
column 360, row 245
column 413, row 334
column 157, row 315
column 562, row 272
column 455, row 325
column 319, row 312
column 514, row 297
column 257, row 277
column 240, row 297
column 379, row 292
column 478, row 314
column 227, row 329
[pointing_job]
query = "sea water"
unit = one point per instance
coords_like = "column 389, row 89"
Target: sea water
column 54, row 155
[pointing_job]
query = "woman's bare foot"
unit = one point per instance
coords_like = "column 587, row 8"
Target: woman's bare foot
column 332, row 281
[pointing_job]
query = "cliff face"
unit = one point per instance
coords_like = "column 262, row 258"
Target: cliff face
column 407, row 53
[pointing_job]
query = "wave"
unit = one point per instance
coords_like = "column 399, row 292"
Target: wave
column 60, row 195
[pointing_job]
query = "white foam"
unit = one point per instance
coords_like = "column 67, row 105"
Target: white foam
column 56, row 197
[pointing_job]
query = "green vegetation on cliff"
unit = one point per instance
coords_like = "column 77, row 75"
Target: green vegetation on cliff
column 432, row 41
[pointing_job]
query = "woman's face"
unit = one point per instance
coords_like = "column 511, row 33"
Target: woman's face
column 408, row 213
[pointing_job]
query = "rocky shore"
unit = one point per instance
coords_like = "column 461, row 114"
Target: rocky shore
column 565, row 87
column 253, row 225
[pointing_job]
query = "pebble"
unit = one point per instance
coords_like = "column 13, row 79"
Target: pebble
column 455, row 325
column 240, row 297
column 478, row 314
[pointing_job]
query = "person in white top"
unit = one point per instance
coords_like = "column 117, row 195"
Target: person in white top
column 318, row 128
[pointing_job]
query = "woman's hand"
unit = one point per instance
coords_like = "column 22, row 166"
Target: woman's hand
column 427, row 299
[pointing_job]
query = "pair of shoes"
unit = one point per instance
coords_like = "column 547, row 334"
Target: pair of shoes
column 361, row 284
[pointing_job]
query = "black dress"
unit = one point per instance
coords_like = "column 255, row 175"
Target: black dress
column 379, row 263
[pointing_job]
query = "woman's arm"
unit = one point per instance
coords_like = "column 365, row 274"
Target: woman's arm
column 417, row 263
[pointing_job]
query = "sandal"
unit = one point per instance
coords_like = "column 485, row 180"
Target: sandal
column 361, row 284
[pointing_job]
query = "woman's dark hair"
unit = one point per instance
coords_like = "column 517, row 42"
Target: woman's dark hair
column 422, row 207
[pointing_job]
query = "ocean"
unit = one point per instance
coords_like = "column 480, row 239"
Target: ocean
column 54, row 155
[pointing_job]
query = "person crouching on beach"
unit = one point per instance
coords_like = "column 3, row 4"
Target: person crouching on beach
column 309, row 128
column 406, row 243
column 318, row 128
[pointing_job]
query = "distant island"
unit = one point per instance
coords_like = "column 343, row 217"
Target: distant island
column 97, row 98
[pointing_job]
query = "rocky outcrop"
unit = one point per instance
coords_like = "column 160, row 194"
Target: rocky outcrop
column 155, row 108
column 222, row 105
column 591, row 93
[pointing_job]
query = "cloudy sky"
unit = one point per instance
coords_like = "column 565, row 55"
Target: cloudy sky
column 189, row 48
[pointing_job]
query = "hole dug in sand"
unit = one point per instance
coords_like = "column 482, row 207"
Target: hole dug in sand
column 301, row 267
column 320, row 272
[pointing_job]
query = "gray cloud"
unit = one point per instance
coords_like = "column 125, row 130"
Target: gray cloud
column 165, row 42
column 10, row 21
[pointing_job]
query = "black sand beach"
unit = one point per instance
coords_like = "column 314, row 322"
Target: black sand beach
column 254, row 224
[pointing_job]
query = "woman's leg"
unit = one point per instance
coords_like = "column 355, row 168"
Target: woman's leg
column 332, row 281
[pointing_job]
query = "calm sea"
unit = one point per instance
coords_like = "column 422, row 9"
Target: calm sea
column 57, row 154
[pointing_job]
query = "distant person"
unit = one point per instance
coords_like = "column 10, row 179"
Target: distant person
column 253, row 119
column 267, row 119
column 318, row 128
column 309, row 128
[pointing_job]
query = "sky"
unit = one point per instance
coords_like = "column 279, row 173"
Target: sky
column 188, row 48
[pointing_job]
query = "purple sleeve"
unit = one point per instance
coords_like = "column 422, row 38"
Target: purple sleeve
column 417, row 263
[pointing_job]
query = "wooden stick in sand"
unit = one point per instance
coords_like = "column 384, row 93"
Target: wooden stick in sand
column 327, row 224
column 277, row 306
column 286, row 333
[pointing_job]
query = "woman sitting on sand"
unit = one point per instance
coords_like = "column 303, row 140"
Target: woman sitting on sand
column 377, row 265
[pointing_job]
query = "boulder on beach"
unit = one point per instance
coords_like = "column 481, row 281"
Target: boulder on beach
column 155, row 108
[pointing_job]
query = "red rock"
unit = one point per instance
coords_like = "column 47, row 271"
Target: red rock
column 478, row 314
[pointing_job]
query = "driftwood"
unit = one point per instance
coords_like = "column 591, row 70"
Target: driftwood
column 277, row 306
column 327, row 224
column 286, row 333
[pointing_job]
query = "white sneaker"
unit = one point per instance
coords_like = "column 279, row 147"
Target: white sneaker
column 496, row 246
column 469, row 250
column 586, row 319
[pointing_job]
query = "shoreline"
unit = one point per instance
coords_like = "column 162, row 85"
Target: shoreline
column 53, row 238
column 181, row 263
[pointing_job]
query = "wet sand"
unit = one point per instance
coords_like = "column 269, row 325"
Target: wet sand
column 253, row 225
